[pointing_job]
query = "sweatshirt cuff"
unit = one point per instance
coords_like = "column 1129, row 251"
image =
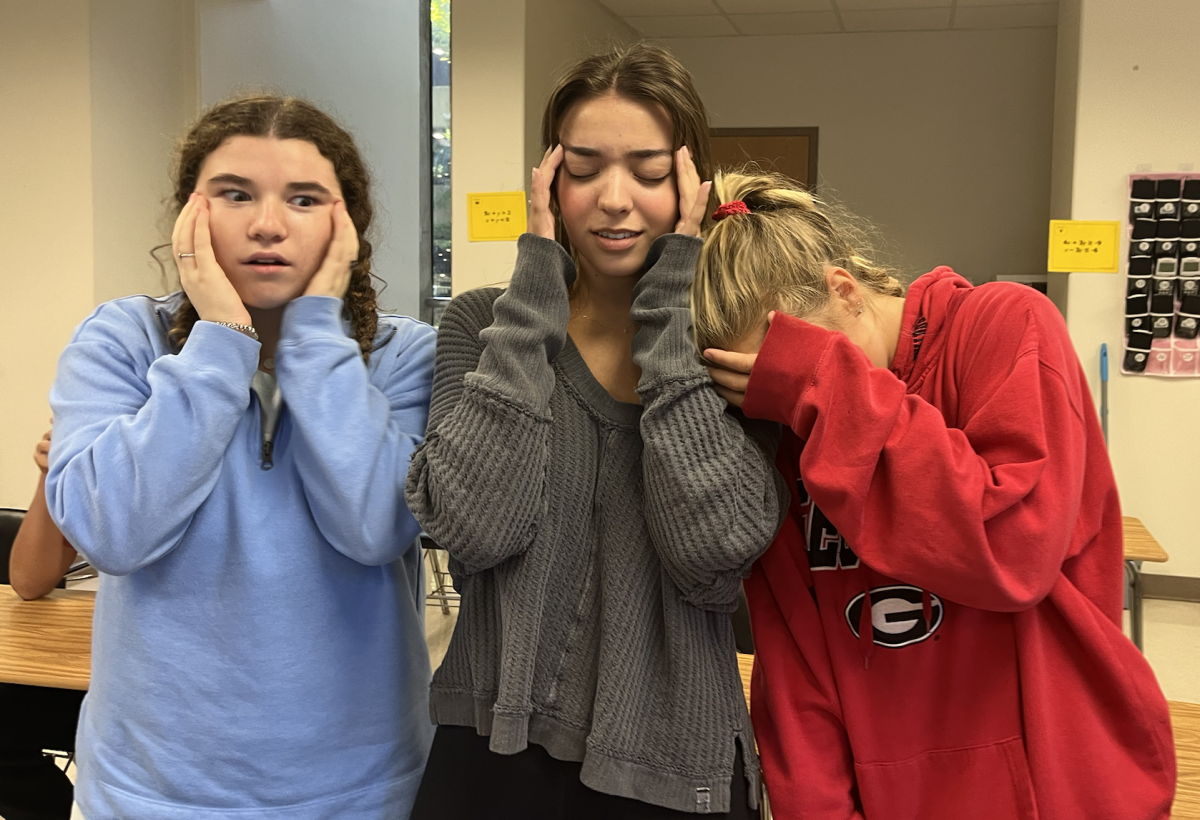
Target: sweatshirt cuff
column 671, row 267
column 529, row 325
column 785, row 369
column 218, row 348
column 536, row 257
column 661, row 306
column 308, row 316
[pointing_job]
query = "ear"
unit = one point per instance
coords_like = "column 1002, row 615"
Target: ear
column 845, row 295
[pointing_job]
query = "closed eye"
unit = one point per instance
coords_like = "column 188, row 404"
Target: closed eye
column 652, row 169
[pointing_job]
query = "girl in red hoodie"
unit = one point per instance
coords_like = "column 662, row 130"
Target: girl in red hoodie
column 938, row 622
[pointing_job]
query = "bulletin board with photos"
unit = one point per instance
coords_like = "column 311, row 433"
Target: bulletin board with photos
column 1162, row 283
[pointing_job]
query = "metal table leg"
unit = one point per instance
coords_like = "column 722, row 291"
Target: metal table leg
column 1133, row 578
column 439, row 581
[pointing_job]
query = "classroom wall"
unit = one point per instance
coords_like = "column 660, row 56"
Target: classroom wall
column 143, row 96
column 94, row 94
column 506, row 55
column 487, row 124
column 1130, row 117
column 45, row 217
column 941, row 139
column 1066, row 101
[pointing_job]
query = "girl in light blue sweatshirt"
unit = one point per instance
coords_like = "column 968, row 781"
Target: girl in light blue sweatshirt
column 232, row 459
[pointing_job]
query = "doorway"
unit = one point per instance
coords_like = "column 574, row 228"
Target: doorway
column 788, row 151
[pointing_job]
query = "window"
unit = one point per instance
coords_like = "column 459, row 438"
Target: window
column 439, row 18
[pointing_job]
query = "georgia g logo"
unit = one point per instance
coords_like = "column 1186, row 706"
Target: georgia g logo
column 896, row 615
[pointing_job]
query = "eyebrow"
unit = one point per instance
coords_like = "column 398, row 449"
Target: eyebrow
column 292, row 187
column 231, row 179
column 308, row 187
column 641, row 153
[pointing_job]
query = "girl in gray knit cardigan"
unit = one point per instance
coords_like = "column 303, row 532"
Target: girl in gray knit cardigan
column 598, row 502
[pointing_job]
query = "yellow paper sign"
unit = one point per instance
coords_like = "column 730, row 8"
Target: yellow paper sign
column 1084, row 247
column 495, row 217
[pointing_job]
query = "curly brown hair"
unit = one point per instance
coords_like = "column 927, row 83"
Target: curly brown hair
column 267, row 115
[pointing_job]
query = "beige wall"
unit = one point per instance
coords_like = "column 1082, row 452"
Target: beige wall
column 45, row 217
column 941, row 139
column 487, row 121
column 1136, row 107
column 506, row 55
column 143, row 94
column 93, row 95
column 1066, row 101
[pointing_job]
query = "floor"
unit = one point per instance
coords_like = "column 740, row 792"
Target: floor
column 438, row 629
column 1171, row 634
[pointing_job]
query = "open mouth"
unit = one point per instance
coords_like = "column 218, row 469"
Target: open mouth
column 267, row 261
column 617, row 235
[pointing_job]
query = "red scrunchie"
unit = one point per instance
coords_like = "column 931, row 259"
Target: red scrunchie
column 730, row 208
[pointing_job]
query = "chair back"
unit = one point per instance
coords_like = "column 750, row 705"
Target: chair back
column 10, row 522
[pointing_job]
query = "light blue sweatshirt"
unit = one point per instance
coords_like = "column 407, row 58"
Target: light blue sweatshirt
column 258, row 650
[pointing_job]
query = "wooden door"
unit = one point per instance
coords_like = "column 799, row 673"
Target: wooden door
column 789, row 151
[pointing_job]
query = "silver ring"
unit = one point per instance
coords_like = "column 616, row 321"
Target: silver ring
column 184, row 255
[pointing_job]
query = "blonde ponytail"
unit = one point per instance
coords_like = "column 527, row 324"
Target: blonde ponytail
column 774, row 257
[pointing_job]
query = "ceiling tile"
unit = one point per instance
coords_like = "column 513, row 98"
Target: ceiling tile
column 897, row 20
column 699, row 26
column 773, row 6
column 871, row 5
column 660, row 8
column 1045, row 14
column 813, row 22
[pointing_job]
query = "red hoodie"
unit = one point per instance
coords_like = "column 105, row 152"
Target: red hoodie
column 968, row 490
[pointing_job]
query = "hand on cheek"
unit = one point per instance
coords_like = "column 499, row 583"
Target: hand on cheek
column 333, row 277
column 202, row 279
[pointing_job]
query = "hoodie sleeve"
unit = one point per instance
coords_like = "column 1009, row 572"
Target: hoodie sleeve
column 477, row 484
column 713, row 499
column 139, row 441
column 979, row 504
column 795, row 707
column 355, row 438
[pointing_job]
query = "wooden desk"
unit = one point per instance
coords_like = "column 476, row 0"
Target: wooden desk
column 1185, row 720
column 47, row 642
column 745, row 666
column 1139, row 546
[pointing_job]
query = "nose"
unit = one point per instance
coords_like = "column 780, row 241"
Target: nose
column 269, row 223
column 615, row 192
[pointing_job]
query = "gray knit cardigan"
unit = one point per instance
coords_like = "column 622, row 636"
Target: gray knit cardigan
column 598, row 545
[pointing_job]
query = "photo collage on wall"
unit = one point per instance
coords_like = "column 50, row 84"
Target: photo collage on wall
column 1162, row 285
